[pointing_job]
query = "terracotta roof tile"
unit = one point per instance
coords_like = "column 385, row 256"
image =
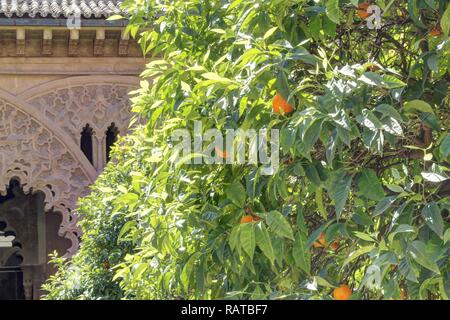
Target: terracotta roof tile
column 60, row 8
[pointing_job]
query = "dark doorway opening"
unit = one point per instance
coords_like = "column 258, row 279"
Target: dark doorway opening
column 86, row 143
column 111, row 138
column 11, row 283
column 28, row 234
column 11, row 273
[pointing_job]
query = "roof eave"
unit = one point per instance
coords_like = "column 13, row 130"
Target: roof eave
column 52, row 22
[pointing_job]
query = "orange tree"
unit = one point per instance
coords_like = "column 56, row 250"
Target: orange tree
column 359, row 206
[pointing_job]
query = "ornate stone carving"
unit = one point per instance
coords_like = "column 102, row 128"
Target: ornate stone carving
column 73, row 47
column 99, row 47
column 40, row 139
column 20, row 47
column 123, row 47
column 33, row 154
column 47, row 47
column 98, row 105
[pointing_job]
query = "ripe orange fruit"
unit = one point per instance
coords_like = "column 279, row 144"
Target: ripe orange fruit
column 342, row 293
column 321, row 242
column 435, row 32
column 221, row 154
column 246, row 219
column 279, row 103
column 334, row 245
column 362, row 12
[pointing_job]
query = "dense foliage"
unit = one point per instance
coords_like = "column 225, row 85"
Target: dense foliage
column 361, row 196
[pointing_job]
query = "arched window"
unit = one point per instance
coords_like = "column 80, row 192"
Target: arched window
column 111, row 137
column 86, row 143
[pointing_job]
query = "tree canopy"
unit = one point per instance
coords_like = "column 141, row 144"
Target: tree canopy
column 361, row 196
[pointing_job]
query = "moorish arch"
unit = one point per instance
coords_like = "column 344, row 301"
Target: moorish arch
column 42, row 158
column 75, row 102
column 40, row 133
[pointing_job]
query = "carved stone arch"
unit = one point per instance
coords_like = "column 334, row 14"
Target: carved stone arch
column 42, row 158
column 74, row 102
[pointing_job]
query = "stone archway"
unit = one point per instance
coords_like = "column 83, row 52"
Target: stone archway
column 40, row 148
column 39, row 156
column 34, row 235
column 75, row 102
column 39, row 139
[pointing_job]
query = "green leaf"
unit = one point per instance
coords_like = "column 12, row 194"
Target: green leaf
column 219, row 31
column 389, row 111
column 233, row 240
column 279, row 225
column 339, row 189
column 247, row 238
column 216, row 78
column 418, row 251
column 263, row 241
column 311, row 136
column 315, row 27
column 236, row 193
column 368, row 119
column 282, row 86
column 445, row 21
column 372, row 79
column 128, row 198
column 115, row 17
column 445, row 146
column 364, row 236
column 270, row 32
column 408, row 270
column 287, row 136
column 188, row 269
column 383, row 205
column 392, row 82
column 355, row 254
column 447, row 235
column 369, row 185
column 106, row 189
column 301, row 252
column 392, row 126
column 127, row 227
column 140, row 269
column 433, row 218
column 414, row 13
column 433, row 177
column 417, row 106
column 403, row 228
column 331, row 148
column 432, row 62
column 319, row 203
column 332, row 10
column 395, row 188
column 313, row 175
